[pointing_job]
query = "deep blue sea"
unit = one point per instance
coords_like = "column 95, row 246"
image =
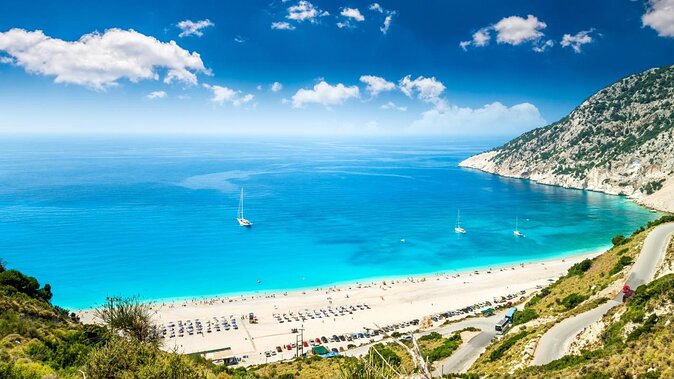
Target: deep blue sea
column 155, row 217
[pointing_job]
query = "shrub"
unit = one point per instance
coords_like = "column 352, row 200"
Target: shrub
column 572, row 300
column 622, row 262
column 379, row 351
column 507, row 344
column 449, row 345
column 430, row 337
column 618, row 240
column 580, row 268
column 524, row 316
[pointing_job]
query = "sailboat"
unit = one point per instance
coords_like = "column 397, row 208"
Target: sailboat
column 517, row 232
column 239, row 216
column 458, row 228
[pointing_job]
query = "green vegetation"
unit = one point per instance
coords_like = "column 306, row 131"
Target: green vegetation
column 444, row 350
column 573, row 300
column 622, row 263
column 505, row 345
column 580, row 268
column 524, row 316
column 618, row 240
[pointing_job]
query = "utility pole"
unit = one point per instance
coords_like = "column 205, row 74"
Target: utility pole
column 302, row 333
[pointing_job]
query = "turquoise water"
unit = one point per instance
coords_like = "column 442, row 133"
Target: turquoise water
column 156, row 217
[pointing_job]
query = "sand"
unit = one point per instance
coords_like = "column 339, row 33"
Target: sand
column 389, row 301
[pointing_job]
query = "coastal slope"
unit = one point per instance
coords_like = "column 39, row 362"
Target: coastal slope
column 619, row 141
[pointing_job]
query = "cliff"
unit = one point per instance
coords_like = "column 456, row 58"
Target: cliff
column 618, row 141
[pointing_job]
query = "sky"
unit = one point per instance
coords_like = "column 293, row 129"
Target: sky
column 296, row 67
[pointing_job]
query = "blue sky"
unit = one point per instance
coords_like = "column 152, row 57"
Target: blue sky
column 342, row 67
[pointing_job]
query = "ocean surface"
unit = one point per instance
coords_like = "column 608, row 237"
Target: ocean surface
column 155, row 217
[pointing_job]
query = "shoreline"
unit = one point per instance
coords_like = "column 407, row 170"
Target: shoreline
column 477, row 162
column 347, row 283
column 345, row 310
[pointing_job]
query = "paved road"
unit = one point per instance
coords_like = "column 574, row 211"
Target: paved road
column 555, row 341
column 467, row 353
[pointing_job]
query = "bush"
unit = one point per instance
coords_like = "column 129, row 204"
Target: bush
column 524, row 316
column 25, row 284
column 448, row 347
column 580, row 268
column 618, row 240
column 571, row 301
column 622, row 262
column 384, row 352
column 507, row 344
column 430, row 337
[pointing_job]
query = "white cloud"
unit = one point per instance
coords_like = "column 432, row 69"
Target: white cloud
column 239, row 39
column 224, row 94
column 305, row 11
column 577, row 40
column 480, row 38
column 375, row 7
column 515, row 30
column 427, row 89
column 326, row 94
column 490, row 119
column 191, row 28
column 387, row 23
column 392, row 105
column 660, row 16
column 353, row 13
column 276, row 86
column 6, row 60
column 156, row 95
column 282, row 26
column 376, row 85
column 101, row 60
column 541, row 47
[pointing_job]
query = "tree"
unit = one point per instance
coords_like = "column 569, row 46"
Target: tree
column 618, row 240
column 129, row 317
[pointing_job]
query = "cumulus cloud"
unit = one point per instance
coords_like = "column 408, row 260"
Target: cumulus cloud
column 490, row 119
column 353, row 13
column 480, row 38
column 325, row 94
column 513, row 30
column 156, row 95
column 100, row 60
column 305, row 11
column 223, row 95
column 427, row 89
column 376, row 85
column 276, row 86
column 375, row 7
column 660, row 16
column 577, row 40
column 282, row 25
column 192, row 28
column 392, row 105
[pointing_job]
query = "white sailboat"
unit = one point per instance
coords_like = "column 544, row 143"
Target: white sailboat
column 458, row 228
column 517, row 232
column 239, row 216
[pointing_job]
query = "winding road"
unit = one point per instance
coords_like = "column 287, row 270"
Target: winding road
column 555, row 341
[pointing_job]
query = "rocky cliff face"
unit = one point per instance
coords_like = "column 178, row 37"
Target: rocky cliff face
column 619, row 141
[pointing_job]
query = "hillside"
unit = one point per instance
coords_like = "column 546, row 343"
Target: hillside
column 619, row 141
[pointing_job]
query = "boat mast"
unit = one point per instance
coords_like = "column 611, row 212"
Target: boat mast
column 241, row 204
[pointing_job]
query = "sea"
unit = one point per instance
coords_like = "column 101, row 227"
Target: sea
column 155, row 216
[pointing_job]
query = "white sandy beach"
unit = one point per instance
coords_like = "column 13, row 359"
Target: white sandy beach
column 389, row 302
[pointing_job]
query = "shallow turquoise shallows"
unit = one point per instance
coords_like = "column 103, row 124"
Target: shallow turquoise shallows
column 157, row 217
